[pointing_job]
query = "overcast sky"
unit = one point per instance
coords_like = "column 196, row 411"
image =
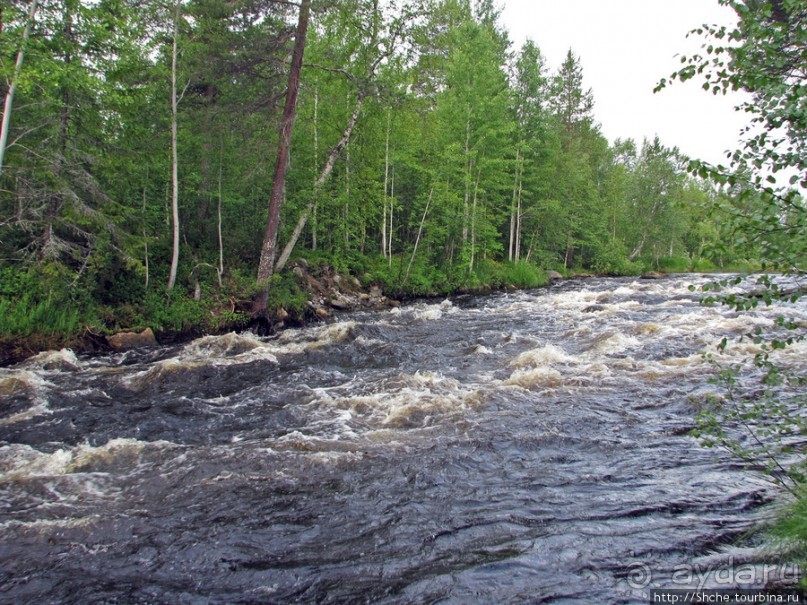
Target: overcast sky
column 626, row 47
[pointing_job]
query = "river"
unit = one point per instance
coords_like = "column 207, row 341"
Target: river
column 523, row 447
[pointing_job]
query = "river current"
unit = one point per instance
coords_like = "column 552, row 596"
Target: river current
column 524, row 447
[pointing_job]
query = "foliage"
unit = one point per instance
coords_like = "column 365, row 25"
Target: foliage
column 765, row 55
column 286, row 294
column 524, row 275
column 470, row 164
column 36, row 302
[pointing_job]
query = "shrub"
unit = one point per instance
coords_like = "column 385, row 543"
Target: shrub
column 673, row 264
column 525, row 275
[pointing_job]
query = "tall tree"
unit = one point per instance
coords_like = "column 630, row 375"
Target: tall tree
column 172, row 275
column 267, row 259
column 570, row 102
column 529, row 97
column 657, row 187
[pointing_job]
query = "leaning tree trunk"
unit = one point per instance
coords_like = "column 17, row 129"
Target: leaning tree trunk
column 9, row 102
column 323, row 178
column 269, row 247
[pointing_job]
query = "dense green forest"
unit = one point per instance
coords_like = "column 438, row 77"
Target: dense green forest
column 428, row 155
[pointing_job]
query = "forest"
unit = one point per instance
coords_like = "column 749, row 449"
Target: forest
column 428, row 155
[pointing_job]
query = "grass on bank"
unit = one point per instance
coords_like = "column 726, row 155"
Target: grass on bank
column 789, row 532
column 45, row 301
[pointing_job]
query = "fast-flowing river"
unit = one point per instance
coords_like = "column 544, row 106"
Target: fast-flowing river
column 527, row 447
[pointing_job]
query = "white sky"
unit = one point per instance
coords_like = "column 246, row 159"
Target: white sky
column 625, row 48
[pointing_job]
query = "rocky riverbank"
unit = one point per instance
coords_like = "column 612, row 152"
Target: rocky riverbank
column 326, row 291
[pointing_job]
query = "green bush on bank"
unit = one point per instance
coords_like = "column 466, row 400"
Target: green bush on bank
column 525, row 275
column 38, row 302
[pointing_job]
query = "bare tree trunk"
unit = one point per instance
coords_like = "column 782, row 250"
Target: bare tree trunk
column 510, row 250
column 519, row 215
column 391, row 212
column 323, row 177
column 531, row 248
column 174, row 160
column 567, row 258
column 316, row 162
column 638, row 249
column 268, row 249
column 145, row 235
column 220, row 270
column 468, row 169
column 386, row 185
column 473, row 222
column 417, row 239
column 12, row 89
column 347, row 197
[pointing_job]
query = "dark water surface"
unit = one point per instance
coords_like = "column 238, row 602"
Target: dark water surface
column 519, row 448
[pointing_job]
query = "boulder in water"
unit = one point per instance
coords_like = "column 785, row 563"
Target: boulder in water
column 593, row 309
column 125, row 341
column 553, row 276
column 64, row 360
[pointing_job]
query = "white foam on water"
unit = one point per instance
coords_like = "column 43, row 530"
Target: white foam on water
column 306, row 339
column 529, row 378
column 235, row 349
column 16, row 381
column 64, row 360
column 542, row 356
column 406, row 401
column 612, row 343
column 20, row 462
column 226, row 345
column 158, row 371
column 627, row 290
column 41, row 525
column 429, row 314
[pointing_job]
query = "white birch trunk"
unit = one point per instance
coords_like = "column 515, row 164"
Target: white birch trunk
column 174, row 160
column 12, row 89
column 323, row 177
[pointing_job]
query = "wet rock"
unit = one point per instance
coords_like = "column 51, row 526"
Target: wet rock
column 64, row 360
column 322, row 313
column 13, row 386
column 553, row 276
column 593, row 309
column 652, row 275
column 126, row 341
column 394, row 303
column 342, row 304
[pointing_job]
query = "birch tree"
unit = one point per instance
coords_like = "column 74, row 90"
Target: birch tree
column 12, row 85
